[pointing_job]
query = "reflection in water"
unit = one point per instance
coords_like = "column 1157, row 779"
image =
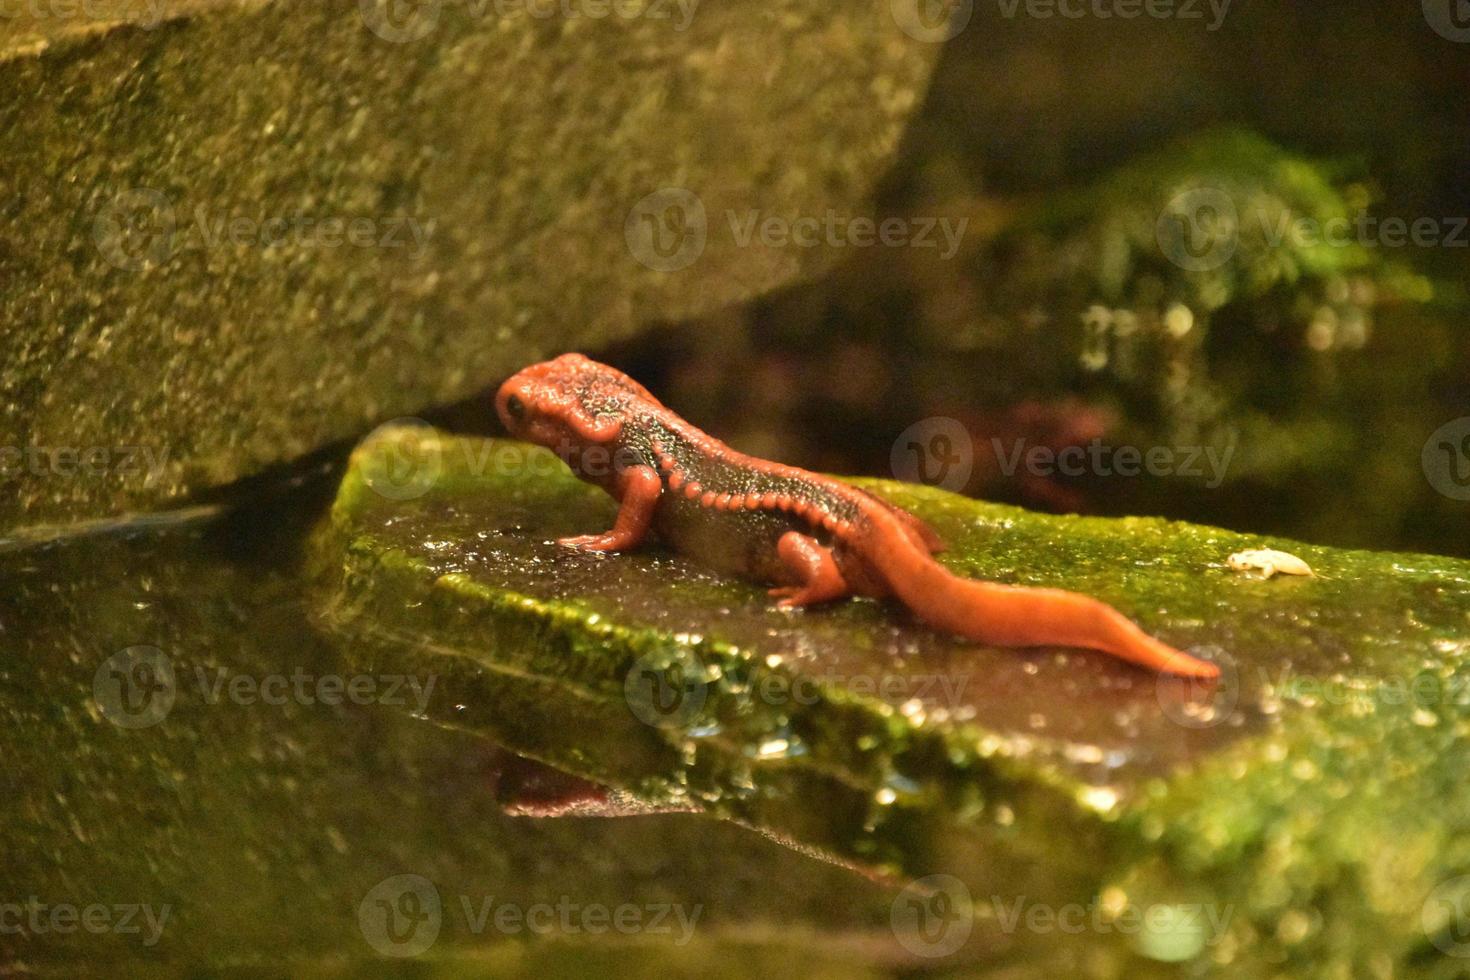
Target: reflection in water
column 229, row 769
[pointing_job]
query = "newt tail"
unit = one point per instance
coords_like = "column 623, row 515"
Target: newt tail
column 814, row 538
column 1018, row 616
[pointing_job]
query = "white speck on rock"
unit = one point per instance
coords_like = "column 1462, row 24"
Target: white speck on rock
column 1269, row 562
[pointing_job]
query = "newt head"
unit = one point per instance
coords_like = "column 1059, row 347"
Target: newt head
column 569, row 398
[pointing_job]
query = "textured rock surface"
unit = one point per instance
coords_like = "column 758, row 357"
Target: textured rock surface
column 230, row 234
column 263, row 818
column 1303, row 812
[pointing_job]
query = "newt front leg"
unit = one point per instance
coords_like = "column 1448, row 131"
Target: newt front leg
column 640, row 488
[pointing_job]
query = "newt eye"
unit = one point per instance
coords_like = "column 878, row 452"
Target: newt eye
column 515, row 407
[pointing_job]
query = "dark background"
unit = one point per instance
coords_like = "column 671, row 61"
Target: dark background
column 1027, row 111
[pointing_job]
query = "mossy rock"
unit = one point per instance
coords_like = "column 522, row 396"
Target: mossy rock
column 236, row 232
column 263, row 823
column 1310, row 801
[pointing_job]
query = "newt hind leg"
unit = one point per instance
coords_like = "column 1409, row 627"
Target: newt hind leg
column 813, row 568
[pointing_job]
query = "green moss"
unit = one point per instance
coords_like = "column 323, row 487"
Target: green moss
column 1262, row 217
column 1270, row 798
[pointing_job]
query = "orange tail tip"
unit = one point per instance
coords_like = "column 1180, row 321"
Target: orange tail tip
column 1167, row 660
column 1016, row 616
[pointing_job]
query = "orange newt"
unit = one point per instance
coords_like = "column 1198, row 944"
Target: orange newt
column 814, row 538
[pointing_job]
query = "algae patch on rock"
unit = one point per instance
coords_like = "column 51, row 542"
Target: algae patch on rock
column 1058, row 775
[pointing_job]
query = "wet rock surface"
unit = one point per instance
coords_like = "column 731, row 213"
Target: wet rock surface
column 178, row 737
column 1056, row 773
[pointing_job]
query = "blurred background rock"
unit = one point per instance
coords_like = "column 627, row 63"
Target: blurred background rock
column 1322, row 369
